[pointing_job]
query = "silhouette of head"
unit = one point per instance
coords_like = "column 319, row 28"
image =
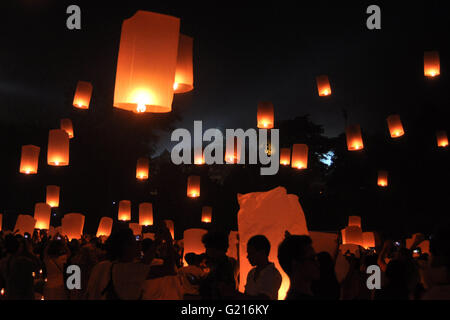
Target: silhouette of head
column 191, row 259
column 216, row 244
column 258, row 249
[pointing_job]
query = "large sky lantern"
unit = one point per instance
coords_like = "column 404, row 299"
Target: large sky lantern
column 323, row 86
column 354, row 137
column 42, row 213
column 184, row 75
column 142, row 169
column 145, row 214
column 431, row 64
column 265, row 117
column 353, row 235
column 25, row 224
column 72, row 225
column 442, row 140
column 82, row 96
column 124, row 210
column 146, row 63
column 382, row 178
column 193, row 241
column 354, row 221
column 170, row 225
column 206, row 214
column 285, row 156
column 368, row 239
column 136, row 228
column 104, row 227
column 52, row 196
column 66, row 125
column 299, row 156
column 58, row 148
column 193, row 186
column 29, row 159
column 395, row 126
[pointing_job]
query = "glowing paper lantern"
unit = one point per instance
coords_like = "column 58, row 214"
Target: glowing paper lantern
column 344, row 240
column 431, row 64
column 147, row 62
column 136, row 227
column 323, row 86
column 72, row 225
column 265, row 115
column 233, row 245
column 354, row 137
column 124, row 210
column 207, row 214
column 171, row 227
column 52, row 198
column 354, row 221
column 233, row 156
column 83, row 94
column 368, row 240
column 285, row 156
column 42, row 212
column 146, row 214
column 299, row 156
column 58, row 148
column 193, row 241
column 149, row 235
column 184, row 78
column 353, row 235
column 324, row 241
column 256, row 216
column 104, row 227
column 193, row 186
column 25, row 224
column 199, row 160
column 142, row 169
column 66, row 125
column 29, row 159
column 382, row 178
column 395, row 126
column 1, row 221
column 442, row 140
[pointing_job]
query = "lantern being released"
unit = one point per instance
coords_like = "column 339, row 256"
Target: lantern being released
column 58, row 148
column 368, row 240
column 207, row 214
column 382, row 178
column 395, row 126
column 299, row 156
column 353, row 235
column 66, row 125
column 136, row 227
column 193, row 186
column 83, row 94
column 431, row 64
column 104, row 227
column 42, row 212
column 52, row 198
column 147, row 62
column 25, row 224
column 169, row 224
column 146, row 214
column 265, row 115
column 442, row 140
column 323, row 86
column 285, row 156
column 184, row 79
column 72, row 225
column 193, row 241
column 142, row 169
column 354, row 221
column 124, row 210
column 29, row 159
column 354, row 137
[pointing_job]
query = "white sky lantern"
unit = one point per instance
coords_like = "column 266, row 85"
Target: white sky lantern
column 72, row 225
column 354, row 221
column 42, row 213
column 25, row 224
column 193, row 241
column 146, row 214
column 353, row 235
column 104, row 227
column 368, row 240
column 136, row 227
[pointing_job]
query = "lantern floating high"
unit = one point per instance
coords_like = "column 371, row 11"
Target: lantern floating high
column 193, row 241
column 142, row 169
column 323, row 86
column 147, row 62
column 299, row 156
column 42, row 212
column 29, row 159
column 124, row 210
column 395, row 126
column 442, row 140
column 169, row 224
column 193, row 186
column 354, row 221
column 104, row 227
column 265, row 118
column 354, row 137
column 72, row 225
column 146, row 214
column 58, row 148
column 207, row 214
column 52, row 198
column 233, row 156
column 83, row 94
column 431, row 64
column 382, row 178
column 285, row 156
column 66, row 125
column 184, row 78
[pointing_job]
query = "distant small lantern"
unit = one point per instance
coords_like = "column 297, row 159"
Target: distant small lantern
column 104, row 227
column 299, row 156
column 66, row 125
column 83, row 94
column 431, row 64
column 382, row 178
column 72, row 225
column 184, row 78
column 52, row 198
column 207, row 214
column 265, row 117
column 285, row 156
column 169, row 224
column 124, row 210
column 142, row 169
column 354, row 221
column 146, row 214
column 147, row 62
column 193, row 186
column 442, row 140
column 58, row 148
column 323, row 86
column 395, row 126
column 354, row 137
column 29, row 159
column 199, row 160
column 42, row 213
column 233, row 157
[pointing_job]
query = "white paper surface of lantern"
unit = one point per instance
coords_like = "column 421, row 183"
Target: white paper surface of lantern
column 25, row 224
column 193, row 241
column 136, row 227
column 72, row 225
column 104, row 227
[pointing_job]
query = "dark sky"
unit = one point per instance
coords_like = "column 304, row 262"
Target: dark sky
column 244, row 52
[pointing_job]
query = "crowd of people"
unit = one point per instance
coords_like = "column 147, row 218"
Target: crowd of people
column 125, row 268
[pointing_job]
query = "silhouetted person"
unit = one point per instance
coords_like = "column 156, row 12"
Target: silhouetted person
column 327, row 287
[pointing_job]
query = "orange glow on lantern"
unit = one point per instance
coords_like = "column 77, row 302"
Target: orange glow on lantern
column 265, row 117
column 52, row 198
column 207, row 214
column 146, row 214
column 136, row 228
column 184, row 78
column 171, row 227
column 1, row 221
column 285, row 156
column 431, row 65
column 354, row 221
column 233, row 157
column 58, row 148
column 72, row 225
column 299, row 156
column 354, row 137
column 442, row 140
column 395, row 126
column 368, row 240
column 193, row 186
column 42, row 212
column 104, row 227
column 66, row 125
column 382, row 178
column 82, row 96
column 147, row 62
column 353, row 235
column 193, row 241
column 142, row 169
column 124, row 210
column 29, row 159
column 199, row 160
column 323, row 86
